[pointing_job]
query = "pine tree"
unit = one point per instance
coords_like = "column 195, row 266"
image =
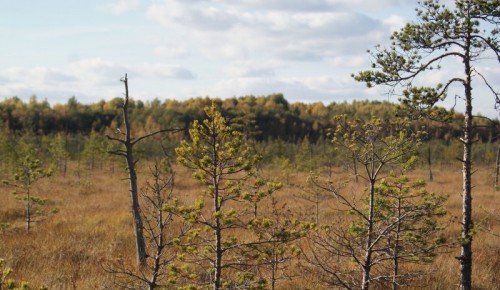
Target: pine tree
column 466, row 34
column 221, row 161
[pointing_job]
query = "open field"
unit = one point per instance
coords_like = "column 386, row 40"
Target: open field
column 94, row 226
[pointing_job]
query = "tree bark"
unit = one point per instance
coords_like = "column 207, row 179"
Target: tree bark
column 160, row 239
column 274, row 267
column 355, row 167
column 395, row 257
column 217, row 208
column 126, row 139
column 467, row 224
column 497, row 171
column 134, row 192
column 136, row 213
column 368, row 254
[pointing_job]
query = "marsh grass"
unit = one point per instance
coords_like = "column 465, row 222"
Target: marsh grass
column 93, row 225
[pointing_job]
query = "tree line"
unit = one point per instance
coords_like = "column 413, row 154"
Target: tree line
column 262, row 117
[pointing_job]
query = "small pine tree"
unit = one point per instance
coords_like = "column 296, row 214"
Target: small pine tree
column 374, row 145
column 27, row 172
column 221, row 161
column 409, row 214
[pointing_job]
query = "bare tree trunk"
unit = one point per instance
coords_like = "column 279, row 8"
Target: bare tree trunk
column 136, row 213
column 395, row 256
column 467, row 224
column 497, row 171
column 355, row 167
column 317, row 200
column 129, row 143
column 160, row 242
column 78, row 161
column 274, row 267
column 218, row 245
column 368, row 254
column 126, row 139
column 28, row 210
column 134, row 192
column 218, row 227
column 65, row 160
column 429, row 161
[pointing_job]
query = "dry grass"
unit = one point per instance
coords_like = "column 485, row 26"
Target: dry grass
column 67, row 249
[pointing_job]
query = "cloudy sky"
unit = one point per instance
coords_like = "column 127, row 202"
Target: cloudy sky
column 305, row 49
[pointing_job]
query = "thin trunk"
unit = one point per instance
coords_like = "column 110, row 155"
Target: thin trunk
column 255, row 209
column 28, row 210
column 160, row 243
column 65, row 166
column 317, row 206
column 65, row 158
column 395, row 258
column 78, row 161
column 467, row 224
column 497, row 171
column 274, row 268
column 466, row 243
column 217, row 207
column 368, row 255
column 218, row 248
column 136, row 213
column 355, row 167
column 429, row 161
column 134, row 192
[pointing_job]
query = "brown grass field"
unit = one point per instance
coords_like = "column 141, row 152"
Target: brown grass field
column 66, row 250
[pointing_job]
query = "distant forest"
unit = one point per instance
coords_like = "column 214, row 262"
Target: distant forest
column 264, row 117
column 286, row 134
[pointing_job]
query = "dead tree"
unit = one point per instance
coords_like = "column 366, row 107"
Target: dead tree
column 162, row 234
column 127, row 141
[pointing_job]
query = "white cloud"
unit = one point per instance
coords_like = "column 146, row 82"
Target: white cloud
column 227, row 30
column 102, row 71
column 122, row 6
column 252, row 68
column 197, row 14
column 351, row 62
column 171, row 51
column 395, row 22
column 260, row 44
column 311, row 89
column 88, row 77
column 313, row 5
column 162, row 71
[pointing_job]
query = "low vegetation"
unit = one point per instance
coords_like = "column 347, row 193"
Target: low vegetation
column 256, row 215
column 94, row 227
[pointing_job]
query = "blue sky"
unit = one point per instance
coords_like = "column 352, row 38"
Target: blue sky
column 179, row 49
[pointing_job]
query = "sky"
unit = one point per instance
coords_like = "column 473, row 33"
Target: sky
column 178, row 49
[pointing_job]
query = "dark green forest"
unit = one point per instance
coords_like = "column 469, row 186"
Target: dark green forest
column 267, row 117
